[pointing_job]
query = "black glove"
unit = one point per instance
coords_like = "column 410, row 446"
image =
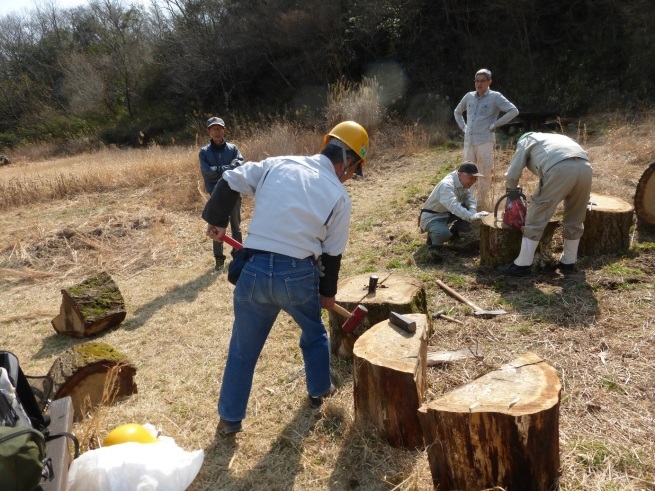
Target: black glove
column 513, row 194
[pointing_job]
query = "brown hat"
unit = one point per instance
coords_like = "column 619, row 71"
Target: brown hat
column 469, row 168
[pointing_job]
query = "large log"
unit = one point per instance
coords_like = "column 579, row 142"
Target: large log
column 90, row 307
column 390, row 380
column 501, row 245
column 645, row 198
column 606, row 226
column 501, row 430
column 96, row 371
column 401, row 294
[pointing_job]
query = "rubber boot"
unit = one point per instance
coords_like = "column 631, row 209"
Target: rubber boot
column 526, row 256
column 570, row 252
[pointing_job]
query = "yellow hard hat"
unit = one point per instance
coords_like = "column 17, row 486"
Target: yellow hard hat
column 130, row 432
column 352, row 134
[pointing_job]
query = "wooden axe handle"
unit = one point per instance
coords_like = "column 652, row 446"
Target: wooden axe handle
column 341, row 311
column 456, row 295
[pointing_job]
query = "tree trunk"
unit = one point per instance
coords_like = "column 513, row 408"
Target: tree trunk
column 606, row 226
column 96, row 371
column 501, row 245
column 645, row 199
column 501, row 430
column 92, row 306
column 390, row 380
column 400, row 294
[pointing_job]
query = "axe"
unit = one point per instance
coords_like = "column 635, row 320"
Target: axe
column 485, row 314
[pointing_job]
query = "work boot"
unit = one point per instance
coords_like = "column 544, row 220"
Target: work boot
column 225, row 427
column 512, row 269
column 456, row 238
column 315, row 402
column 565, row 268
column 429, row 240
column 220, row 262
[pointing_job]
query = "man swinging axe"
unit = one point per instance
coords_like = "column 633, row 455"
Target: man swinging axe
column 302, row 213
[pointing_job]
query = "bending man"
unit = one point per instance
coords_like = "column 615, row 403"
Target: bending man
column 301, row 216
column 564, row 174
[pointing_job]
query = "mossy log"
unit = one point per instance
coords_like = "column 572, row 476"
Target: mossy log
column 606, row 226
column 401, row 294
column 96, row 371
column 90, row 307
column 390, row 380
column 499, row 431
column 501, row 245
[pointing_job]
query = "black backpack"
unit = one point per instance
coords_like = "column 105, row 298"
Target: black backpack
column 24, row 427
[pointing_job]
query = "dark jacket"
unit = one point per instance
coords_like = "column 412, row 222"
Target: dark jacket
column 216, row 159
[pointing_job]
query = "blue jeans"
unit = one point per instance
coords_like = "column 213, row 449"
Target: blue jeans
column 269, row 283
column 439, row 230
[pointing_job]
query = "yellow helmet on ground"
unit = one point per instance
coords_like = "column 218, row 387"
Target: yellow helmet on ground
column 352, row 134
column 130, row 432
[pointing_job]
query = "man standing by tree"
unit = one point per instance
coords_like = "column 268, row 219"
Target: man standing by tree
column 215, row 158
column 482, row 107
column 301, row 217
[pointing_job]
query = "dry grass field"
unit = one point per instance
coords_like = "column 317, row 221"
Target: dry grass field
column 136, row 215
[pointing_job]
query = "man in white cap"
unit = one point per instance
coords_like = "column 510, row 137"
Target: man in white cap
column 215, row 158
column 451, row 201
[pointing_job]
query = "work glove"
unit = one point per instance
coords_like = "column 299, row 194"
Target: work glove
column 513, row 194
column 214, row 168
column 479, row 215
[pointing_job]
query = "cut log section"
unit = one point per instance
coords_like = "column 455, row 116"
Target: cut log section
column 645, row 197
column 501, row 245
column 96, row 371
column 390, row 380
column 92, row 306
column 501, row 430
column 606, row 226
column 401, row 294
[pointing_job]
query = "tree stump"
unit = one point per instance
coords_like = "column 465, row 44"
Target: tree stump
column 606, row 226
column 645, row 198
column 396, row 293
column 390, row 380
column 501, row 430
column 96, row 371
column 92, row 306
column 501, row 245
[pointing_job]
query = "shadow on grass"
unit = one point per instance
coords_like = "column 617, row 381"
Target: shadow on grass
column 186, row 292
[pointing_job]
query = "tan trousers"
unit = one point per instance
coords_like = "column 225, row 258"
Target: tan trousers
column 483, row 156
column 568, row 181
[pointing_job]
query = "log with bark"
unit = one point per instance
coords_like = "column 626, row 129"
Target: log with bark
column 401, row 294
column 501, row 430
column 606, row 226
column 645, row 199
column 94, row 371
column 90, row 307
column 390, row 380
column 501, row 245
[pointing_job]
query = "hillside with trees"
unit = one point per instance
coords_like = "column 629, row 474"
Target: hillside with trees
column 115, row 72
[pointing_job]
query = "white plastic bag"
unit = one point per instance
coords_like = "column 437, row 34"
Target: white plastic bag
column 161, row 466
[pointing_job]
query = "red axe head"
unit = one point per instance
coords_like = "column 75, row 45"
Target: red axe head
column 355, row 318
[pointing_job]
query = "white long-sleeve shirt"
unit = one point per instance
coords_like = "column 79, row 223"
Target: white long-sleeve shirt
column 449, row 196
column 539, row 152
column 301, row 207
column 481, row 112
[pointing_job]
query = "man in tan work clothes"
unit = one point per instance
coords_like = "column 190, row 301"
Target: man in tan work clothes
column 564, row 173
